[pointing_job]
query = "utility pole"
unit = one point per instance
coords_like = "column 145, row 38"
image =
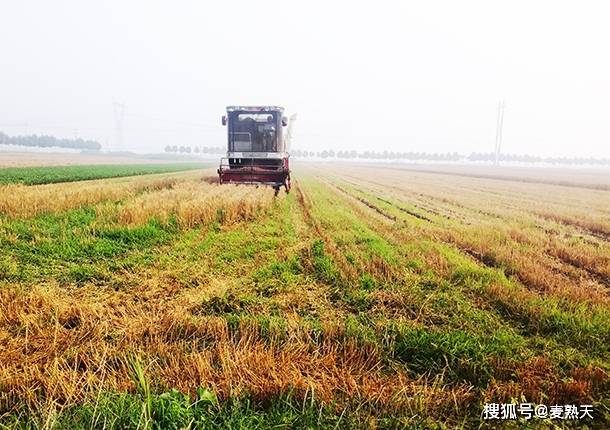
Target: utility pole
column 119, row 115
column 499, row 124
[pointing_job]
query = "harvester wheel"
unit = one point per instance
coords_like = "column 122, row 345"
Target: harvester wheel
column 287, row 185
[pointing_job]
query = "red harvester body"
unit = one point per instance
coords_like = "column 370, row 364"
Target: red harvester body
column 256, row 147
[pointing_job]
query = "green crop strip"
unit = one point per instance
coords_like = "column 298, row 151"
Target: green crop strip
column 54, row 174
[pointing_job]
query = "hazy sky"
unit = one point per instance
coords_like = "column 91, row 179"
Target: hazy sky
column 395, row 75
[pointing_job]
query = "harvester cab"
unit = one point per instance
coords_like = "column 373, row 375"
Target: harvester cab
column 257, row 147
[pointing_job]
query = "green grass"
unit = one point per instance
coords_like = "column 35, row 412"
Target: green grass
column 70, row 246
column 54, row 174
column 173, row 410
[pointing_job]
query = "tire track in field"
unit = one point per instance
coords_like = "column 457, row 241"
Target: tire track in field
column 598, row 233
column 424, row 199
column 583, row 272
column 363, row 201
column 516, row 307
column 348, row 270
column 485, row 258
column 512, row 307
column 601, row 278
column 409, row 212
column 376, row 208
column 515, row 323
column 475, row 255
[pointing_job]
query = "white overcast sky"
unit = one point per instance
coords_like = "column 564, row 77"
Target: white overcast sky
column 395, row 75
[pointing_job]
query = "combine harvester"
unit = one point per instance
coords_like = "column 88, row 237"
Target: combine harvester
column 257, row 151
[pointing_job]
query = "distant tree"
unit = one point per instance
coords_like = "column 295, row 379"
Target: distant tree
column 487, row 157
column 49, row 142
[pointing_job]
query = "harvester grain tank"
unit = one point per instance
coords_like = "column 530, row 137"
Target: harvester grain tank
column 257, row 147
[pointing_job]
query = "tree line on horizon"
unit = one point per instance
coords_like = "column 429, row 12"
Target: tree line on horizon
column 447, row 156
column 195, row 149
column 410, row 156
column 45, row 141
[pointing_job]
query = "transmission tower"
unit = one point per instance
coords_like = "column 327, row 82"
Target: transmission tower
column 119, row 116
column 499, row 125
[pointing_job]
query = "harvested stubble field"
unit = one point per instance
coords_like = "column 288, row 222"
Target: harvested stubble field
column 365, row 298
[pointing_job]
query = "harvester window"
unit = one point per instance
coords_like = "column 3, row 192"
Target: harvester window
column 258, row 117
column 242, row 141
column 254, row 132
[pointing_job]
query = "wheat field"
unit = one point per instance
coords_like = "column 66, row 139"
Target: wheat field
column 368, row 297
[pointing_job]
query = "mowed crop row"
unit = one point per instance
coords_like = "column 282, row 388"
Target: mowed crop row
column 405, row 300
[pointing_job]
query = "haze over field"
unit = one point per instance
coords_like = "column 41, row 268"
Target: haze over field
column 400, row 76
